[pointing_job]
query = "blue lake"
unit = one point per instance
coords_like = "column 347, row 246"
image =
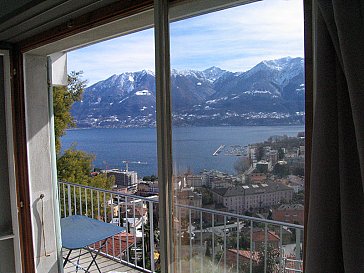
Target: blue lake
column 192, row 146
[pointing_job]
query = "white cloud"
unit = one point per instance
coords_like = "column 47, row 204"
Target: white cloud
column 125, row 54
column 258, row 31
column 234, row 39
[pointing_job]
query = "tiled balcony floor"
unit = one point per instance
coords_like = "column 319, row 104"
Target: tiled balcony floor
column 106, row 265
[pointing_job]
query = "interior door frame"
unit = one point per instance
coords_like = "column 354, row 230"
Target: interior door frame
column 9, row 125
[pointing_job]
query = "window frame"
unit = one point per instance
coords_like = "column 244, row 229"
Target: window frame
column 179, row 9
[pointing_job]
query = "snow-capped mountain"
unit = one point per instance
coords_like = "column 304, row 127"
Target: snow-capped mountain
column 272, row 90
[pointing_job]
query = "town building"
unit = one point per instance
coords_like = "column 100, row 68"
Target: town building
column 259, row 239
column 216, row 179
column 273, row 157
column 195, row 181
column 296, row 161
column 263, row 166
column 188, row 197
column 123, row 178
column 294, row 181
column 293, row 214
column 242, row 198
column 147, row 188
column 256, row 177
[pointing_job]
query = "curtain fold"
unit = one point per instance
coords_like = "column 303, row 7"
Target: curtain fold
column 335, row 228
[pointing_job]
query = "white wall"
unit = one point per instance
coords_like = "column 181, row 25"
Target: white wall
column 39, row 163
column 59, row 68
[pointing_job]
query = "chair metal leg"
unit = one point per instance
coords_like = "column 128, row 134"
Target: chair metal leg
column 66, row 259
column 94, row 257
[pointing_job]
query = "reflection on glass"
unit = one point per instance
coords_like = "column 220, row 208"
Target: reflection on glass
column 238, row 139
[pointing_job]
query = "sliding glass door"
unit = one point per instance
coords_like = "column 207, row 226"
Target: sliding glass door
column 237, row 100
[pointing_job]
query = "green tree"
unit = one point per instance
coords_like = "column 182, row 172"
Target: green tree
column 280, row 154
column 281, row 170
column 73, row 165
column 208, row 250
column 271, row 259
column 63, row 99
column 298, row 171
column 242, row 164
column 151, row 178
column 298, row 198
column 231, row 241
column 207, row 198
column 260, row 153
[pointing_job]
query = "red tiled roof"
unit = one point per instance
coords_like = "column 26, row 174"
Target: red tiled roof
column 118, row 243
column 258, row 236
column 247, row 254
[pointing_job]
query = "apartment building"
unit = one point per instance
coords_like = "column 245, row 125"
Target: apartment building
column 123, row 178
column 240, row 199
column 289, row 213
column 195, row 181
column 188, row 197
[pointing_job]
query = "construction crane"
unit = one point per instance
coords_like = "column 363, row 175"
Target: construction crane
column 127, row 162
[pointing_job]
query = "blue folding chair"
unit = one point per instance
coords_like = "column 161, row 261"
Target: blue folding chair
column 79, row 232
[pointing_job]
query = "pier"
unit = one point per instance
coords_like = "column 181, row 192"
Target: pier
column 218, row 151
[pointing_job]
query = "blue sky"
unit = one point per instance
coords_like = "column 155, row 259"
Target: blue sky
column 234, row 39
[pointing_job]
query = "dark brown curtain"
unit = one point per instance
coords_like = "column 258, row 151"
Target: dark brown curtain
column 335, row 228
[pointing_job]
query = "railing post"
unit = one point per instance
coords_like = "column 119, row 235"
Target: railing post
column 190, row 234
column 98, row 205
column 179, row 238
column 74, row 199
column 80, row 193
column 298, row 248
column 143, row 232
column 265, row 246
column 135, row 243
column 64, row 201
column 201, row 240
column 251, row 247
column 237, row 245
column 127, row 229
column 281, row 252
column 92, row 203
column 213, row 239
column 151, row 235
column 119, row 224
column 105, row 219
column 112, row 221
column 224, row 252
column 69, row 200
column 86, row 202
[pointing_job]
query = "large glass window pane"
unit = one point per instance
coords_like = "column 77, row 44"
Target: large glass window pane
column 238, row 138
column 107, row 154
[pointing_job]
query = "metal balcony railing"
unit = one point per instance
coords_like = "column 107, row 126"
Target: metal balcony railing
column 205, row 240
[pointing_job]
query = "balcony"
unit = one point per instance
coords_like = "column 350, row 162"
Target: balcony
column 205, row 241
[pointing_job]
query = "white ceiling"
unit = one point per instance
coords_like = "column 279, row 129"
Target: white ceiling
column 133, row 23
column 21, row 19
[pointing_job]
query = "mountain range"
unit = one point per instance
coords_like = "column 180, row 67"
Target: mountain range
column 270, row 93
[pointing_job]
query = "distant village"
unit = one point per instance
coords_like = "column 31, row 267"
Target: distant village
column 269, row 182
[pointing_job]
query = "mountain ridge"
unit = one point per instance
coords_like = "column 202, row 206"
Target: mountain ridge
column 272, row 92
